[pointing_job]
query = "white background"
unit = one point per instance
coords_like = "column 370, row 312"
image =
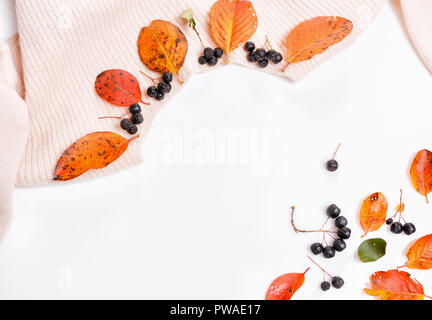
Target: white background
column 196, row 229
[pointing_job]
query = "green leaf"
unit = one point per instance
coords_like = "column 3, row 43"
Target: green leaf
column 371, row 250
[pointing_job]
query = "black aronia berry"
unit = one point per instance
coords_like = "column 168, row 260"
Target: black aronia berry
column 397, row 227
column 336, row 281
column 332, row 165
column 261, row 56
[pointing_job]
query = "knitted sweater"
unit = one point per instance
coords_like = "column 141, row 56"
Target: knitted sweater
column 63, row 45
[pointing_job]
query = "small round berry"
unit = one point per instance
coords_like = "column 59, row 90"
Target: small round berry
column 212, row 61
column 278, row 58
column 164, row 87
column 251, row 58
column 338, row 282
column 339, row 245
column 260, row 54
column 208, row 53
column 409, row 228
column 135, row 108
column 396, row 228
column 263, row 63
column 167, row 77
column 325, row 286
column 341, row 222
column 202, row 60
column 218, row 53
column 344, row 233
column 152, row 92
column 389, row 221
column 133, row 129
column 332, row 165
column 317, row 248
column 329, row 252
column 271, row 54
column 249, row 46
column 137, row 118
column 160, row 96
column 125, row 124
column 333, row 211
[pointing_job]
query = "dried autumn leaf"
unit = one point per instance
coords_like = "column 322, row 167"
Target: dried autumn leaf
column 284, row 287
column 421, row 173
column 94, row 151
column 373, row 212
column 119, row 88
column 395, row 285
column 315, row 36
column 420, row 254
column 162, row 47
column 232, row 22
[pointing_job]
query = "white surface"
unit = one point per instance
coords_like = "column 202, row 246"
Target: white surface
column 192, row 228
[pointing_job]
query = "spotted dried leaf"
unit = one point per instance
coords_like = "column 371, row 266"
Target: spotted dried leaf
column 162, row 47
column 119, row 88
column 420, row 254
column 373, row 212
column 284, row 287
column 315, row 36
column 421, row 173
column 94, row 151
column 232, row 22
column 395, row 285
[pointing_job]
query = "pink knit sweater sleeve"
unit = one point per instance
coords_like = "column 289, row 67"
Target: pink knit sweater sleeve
column 13, row 125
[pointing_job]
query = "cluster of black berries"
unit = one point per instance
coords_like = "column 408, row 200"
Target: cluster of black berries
column 261, row 56
column 342, row 232
column 398, row 228
column 131, row 125
column 210, row 56
column 336, row 282
column 158, row 92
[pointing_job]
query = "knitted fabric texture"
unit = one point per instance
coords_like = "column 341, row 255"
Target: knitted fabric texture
column 66, row 44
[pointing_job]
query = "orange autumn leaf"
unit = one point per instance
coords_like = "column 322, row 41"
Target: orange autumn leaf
column 395, row 285
column 420, row 254
column 421, row 173
column 284, row 287
column 315, row 36
column 119, row 88
column 94, row 151
column 232, row 22
column 162, row 47
column 373, row 212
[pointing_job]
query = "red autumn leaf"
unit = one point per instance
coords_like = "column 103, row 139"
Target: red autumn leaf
column 395, row 285
column 373, row 212
column 232, row 22
column 315, row 36
column 119, row 88
column 94, row 151
column 421, row 173
column 284, row 287
column 420, row 254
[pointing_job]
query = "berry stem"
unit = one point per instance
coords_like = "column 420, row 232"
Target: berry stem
column 337, row 149
column 121, row 118
column 305, row 231
column 267, row 43
column 152, row 79
column 322, row 269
